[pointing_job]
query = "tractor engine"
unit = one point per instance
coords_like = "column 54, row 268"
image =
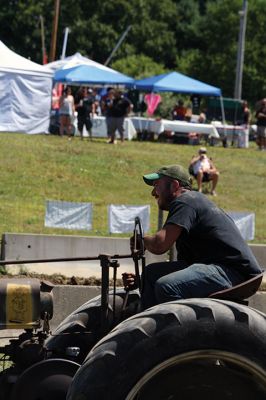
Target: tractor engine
column 25, row 304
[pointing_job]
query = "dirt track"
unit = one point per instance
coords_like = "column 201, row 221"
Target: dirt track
column 74, row 273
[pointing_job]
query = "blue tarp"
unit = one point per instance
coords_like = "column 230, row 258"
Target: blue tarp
column 82, row 74
column 176, row 82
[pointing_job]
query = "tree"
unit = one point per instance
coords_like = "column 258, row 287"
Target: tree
column 20, row 26
column 215, row 61
column 138, row 66
column 254, row 80
column 195, row 37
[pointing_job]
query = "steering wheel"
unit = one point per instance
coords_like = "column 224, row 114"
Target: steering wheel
column 138, row 253
column 138, row 239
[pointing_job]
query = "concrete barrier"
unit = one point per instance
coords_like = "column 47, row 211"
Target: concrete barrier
column 259, row 251
column 19, row 246
column 69, row 298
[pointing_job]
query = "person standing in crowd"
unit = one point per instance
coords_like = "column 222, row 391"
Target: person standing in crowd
column 195, row 100
column 245, row 122
column 97, row 99
column 261, row 125
column 106, row 105
column 66, row 112
column 245, row 114
column 85, row 107
column 204, row 170
column 119, row 109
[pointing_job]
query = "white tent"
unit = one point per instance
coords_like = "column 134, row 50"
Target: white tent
column 25, row 93
column 74, row 60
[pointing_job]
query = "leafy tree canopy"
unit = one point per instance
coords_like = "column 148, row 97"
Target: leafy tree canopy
column 195, row 37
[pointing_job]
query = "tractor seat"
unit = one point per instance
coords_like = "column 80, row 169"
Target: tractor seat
column 239, row 292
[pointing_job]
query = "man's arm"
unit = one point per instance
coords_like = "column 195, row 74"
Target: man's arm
column 194, row 160
column 163, row 240
column 261, row 115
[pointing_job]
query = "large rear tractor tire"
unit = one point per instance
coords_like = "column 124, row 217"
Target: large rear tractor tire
column 189, row 349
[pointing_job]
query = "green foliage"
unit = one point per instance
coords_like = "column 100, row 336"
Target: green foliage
column 218, row 34
column 166, row 106
column 186, row 60
column 195, row 37
column 20, row 26
column 254, row 82
column 139, row 66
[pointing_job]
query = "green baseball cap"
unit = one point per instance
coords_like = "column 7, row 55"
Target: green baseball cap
column 172, row 171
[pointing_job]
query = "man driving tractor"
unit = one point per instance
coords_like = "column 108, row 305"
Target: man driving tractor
column 211, row 253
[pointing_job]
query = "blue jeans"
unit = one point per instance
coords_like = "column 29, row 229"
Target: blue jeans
column 166, row 281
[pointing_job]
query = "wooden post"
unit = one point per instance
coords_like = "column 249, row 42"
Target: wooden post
column 44, row 55
column 54, row 32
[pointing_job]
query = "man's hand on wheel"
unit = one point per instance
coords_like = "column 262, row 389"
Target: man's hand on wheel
column 129, row 281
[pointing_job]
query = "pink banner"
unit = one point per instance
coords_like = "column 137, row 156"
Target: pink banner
column 152, row 100
column 56, row 93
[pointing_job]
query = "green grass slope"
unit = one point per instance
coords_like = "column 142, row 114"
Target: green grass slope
column 35, row 168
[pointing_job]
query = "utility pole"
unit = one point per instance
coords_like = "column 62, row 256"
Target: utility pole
column 54, row 32
column 117, row 45
column 44, row 55
column 241, row 51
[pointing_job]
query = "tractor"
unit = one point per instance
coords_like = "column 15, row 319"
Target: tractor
column 109, row 349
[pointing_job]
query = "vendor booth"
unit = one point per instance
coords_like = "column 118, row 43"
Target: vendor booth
column 92, row 73
column 178, row 83
column 25, row 98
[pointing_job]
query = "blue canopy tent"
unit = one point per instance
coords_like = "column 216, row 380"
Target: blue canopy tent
column 82, row 74
column 176, row 82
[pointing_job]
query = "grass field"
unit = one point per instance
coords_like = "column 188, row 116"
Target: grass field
column 35, row 168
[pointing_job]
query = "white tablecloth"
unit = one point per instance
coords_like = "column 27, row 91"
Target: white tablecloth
column 235, row 133
column 99, row 128
column 152, row 125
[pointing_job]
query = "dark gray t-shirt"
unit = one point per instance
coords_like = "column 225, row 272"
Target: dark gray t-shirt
column 209, row 235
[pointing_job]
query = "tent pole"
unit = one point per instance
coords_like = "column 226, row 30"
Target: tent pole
column 63, row 55
column 44, row 55
column 117, row 45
